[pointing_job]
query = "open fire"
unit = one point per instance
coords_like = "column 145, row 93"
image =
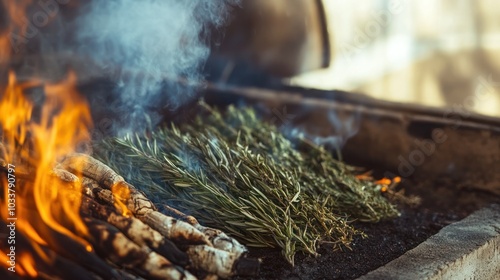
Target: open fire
column 70, row 215
column 41, row 204
column 35, row 204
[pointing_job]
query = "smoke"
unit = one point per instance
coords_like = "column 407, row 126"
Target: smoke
column 344, row 128
column 333, row 132
column 151, row 42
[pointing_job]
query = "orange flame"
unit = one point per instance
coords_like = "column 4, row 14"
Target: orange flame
column 123, row 193
column 64, row 122
column 27, row 265
column 35, row 136
column 54, row 137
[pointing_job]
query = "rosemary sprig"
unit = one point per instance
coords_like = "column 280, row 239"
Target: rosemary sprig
column 237, row 173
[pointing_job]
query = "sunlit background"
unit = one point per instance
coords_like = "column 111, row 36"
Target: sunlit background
column 430, row 52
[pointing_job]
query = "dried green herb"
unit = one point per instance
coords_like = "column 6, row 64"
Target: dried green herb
column 238, row 173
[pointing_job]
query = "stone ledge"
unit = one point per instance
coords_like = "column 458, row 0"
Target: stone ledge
column 468, row 249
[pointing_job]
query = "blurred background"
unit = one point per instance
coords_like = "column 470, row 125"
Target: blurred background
column 440, row 53
column 443, row 53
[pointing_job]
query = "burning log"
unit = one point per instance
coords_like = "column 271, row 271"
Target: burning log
column 64, row 175
column 127, row 241
column 221, row 260
column 219, row 239
column 93, row 169
column 116, row 247
column 143, row 207
column 135, row 230
column 204, row 257
column 222, row 263
column 144, row 210
column 113, row 243
column 173, row 229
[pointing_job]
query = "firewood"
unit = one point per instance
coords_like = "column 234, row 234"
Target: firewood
column 222, row 241
column 202, row 257
column 64, row 175
column 200, row 250
column 92, row 168
column 221, row 263
column 219, row 239
column 170, row 211
column 177, row 231
column 144, row 209
column 135, row 230
column 113, row 245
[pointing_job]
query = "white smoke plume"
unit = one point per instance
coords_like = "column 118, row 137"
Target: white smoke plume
column 150, row 41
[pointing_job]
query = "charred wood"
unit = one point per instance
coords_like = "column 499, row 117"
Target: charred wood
column 173, row 229
column 218, row 238
column 113, row 245
column 135, row 230
column 221, row 263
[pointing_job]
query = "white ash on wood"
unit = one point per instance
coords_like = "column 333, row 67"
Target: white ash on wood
column 136, row 242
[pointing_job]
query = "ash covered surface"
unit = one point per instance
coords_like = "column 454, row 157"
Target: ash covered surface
column 386, row 240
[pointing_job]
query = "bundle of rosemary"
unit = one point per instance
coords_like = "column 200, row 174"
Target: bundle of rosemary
column 235, row 172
